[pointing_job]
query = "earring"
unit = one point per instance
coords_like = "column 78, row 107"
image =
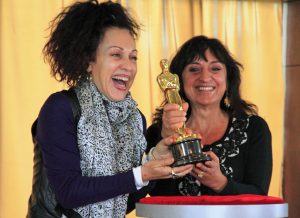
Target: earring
column 227, row 101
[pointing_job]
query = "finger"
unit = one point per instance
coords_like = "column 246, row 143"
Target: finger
column 174, row 124
column 172, row 110
column 212, row 155
column 167, row 141
column 202, row 167
column 160, row 163
column 171, row 107
column 199, row 165
column 167, row 161
column 175, row 120
column 198, row 176
column 183, row 173
column 212, row 164
column 185, row 106
column 184, row 169
column 188, row 131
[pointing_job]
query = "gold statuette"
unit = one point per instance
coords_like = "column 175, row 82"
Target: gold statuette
column 169, row 84
column 187, row 148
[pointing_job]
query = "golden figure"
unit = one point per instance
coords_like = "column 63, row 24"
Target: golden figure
column 187, row 148
column 169, row 84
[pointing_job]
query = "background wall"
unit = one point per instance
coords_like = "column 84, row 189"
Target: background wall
column 250, row 29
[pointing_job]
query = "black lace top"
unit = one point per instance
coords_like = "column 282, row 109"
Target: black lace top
column 245, row 154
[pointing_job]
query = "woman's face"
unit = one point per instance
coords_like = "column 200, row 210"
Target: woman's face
column 115, row 68
column 205, row 81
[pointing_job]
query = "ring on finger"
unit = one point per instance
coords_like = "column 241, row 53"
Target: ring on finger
column 174, row 175
column 200, row 174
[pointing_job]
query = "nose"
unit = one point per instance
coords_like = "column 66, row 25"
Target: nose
column 128, row 64
column 205, row 74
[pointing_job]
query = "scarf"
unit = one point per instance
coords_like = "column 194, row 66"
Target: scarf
column 110, row 141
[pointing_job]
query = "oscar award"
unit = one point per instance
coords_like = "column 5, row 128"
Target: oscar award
column 187, row 148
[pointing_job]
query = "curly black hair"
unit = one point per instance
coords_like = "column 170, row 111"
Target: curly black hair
column 195, row 48
column 76, row 33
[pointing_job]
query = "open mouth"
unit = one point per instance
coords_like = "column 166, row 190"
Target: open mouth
column 120, row 82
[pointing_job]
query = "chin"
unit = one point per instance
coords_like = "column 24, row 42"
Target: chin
column 119, row 97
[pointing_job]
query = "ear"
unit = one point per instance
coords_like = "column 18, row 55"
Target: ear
column 89, row 69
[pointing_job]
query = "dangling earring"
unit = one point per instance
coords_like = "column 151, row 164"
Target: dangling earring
column 89, row 73
column 226, row 100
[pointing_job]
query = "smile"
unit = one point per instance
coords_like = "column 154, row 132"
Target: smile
column 205, row 88
column 120, row 81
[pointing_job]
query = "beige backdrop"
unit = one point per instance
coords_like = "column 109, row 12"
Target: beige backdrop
column 250, row 29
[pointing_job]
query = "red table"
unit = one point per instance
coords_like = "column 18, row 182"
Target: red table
column 238, row 206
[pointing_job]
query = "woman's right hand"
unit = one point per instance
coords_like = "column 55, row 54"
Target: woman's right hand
column 161, row 169
column 173, row 118
column 160, row 166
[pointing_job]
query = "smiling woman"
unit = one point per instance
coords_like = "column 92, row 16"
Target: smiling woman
column 232, row 134
column 114, row 69
column 90, row 139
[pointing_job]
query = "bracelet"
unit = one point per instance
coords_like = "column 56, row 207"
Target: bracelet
column 148, row 157
column 151, row 153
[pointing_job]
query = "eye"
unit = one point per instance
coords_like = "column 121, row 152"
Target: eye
column 216, row 68
column 116, row 55
column 194, row 69
column 133, row 57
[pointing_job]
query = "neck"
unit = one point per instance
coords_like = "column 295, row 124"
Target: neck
column 210, row 123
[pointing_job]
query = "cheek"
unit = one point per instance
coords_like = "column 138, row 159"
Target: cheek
column 185, row 79
column 188, row 81
column 220, row 79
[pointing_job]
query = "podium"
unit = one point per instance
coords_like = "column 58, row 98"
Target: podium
column 239, row 206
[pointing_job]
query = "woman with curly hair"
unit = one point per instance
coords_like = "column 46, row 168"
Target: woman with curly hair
column 237, row 140
column 92, row 164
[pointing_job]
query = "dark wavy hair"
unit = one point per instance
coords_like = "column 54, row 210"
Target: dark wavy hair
column 76, row 33
column 195, row 48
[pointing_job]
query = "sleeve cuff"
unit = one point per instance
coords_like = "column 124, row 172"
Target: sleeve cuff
column 137, row 173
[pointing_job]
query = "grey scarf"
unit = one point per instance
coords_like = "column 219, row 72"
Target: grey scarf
column 110, row 141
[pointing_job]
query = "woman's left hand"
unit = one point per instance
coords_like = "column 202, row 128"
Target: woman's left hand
column 209, row 173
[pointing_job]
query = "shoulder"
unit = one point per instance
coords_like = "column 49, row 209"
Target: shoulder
column 257, row 126
column 257, row 122
column 252, row 124
column 249, row 121
column 57, row 106
column 56, row 99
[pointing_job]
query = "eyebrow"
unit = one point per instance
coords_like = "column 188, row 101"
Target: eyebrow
column 115, row 46
column 212, row 62
column 216, row 62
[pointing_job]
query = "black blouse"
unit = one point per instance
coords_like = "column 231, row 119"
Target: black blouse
column 245, row 154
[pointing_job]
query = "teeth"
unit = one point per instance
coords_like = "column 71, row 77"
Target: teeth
column 125, row 79
column 205, row 88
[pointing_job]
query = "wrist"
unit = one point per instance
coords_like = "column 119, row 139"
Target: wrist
column 144, row 173
column 151, row 154
column 159, row 154
column 221, row 185
column 163, row 134
column 139, row 182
